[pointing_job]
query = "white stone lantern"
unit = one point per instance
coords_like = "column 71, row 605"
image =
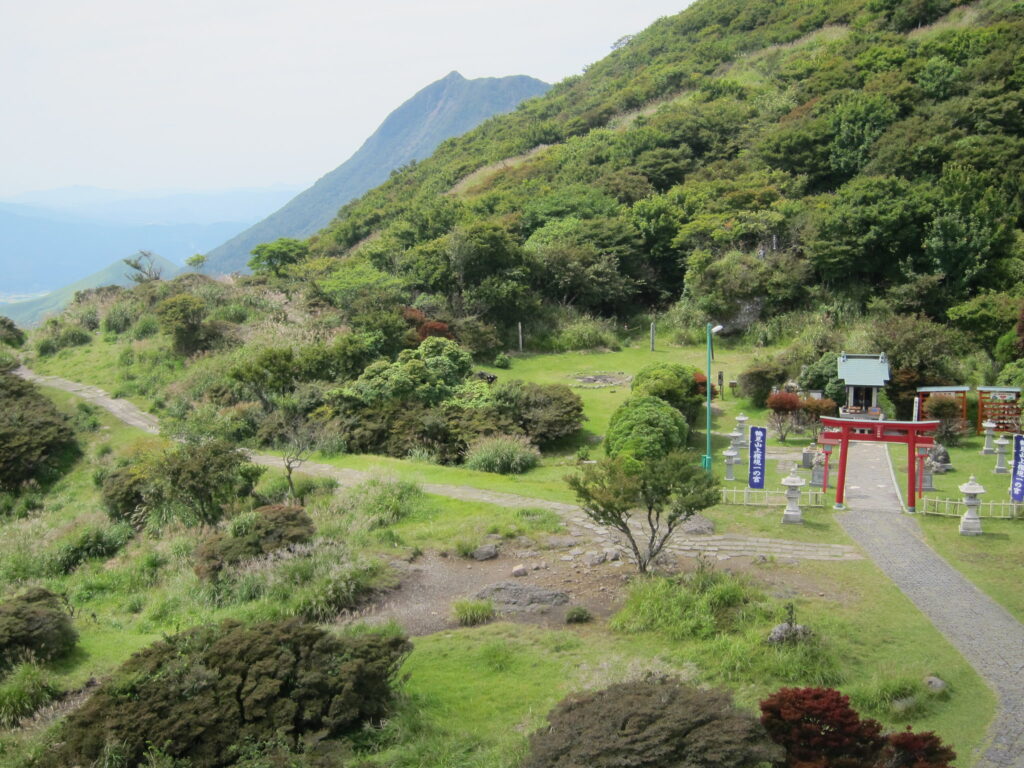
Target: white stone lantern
column 990, row 432
column 730, row 460
column 793, row 485
column 1001, row 450
column 736, row 441
column 741, row 427
column 970, row 523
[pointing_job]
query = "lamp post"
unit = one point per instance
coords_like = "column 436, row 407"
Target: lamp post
column 706, row 462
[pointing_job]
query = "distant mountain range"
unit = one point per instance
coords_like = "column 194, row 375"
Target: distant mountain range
column 51, row 238
column 32, row 312
column 444, row 109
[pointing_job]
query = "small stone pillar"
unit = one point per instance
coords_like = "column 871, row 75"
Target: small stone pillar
column 808, row 455
column 970, row 523
column 1001, row 451
column 741, row 427
column 990, row 432
column 818, row 470
column 793, row 485
column 927, row 484
column 730, row 460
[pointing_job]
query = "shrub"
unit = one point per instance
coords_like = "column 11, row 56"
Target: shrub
column 32, row 432
column 818, row 724
column 8, row 360
column 952, row 425
column 268, row 529
column 784, row 406
column 578, row 614
column 650, row 724
column 545, row 412
column 676, row 384
column 47, row 346
column 73, row 336
column 470, row 613
column 202, row 694
column 585, row 333
column 89, row 543
column 10, row 334
column 383, row 501
column 123, row 491
column 25, row 689
column 503, row 454
column 503, row 361
column 645, row 427
column 757, row 381
column 120, row 316
column 145, row 326
column 35, row 623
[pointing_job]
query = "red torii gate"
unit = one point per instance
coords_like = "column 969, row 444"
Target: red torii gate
column 912, row 433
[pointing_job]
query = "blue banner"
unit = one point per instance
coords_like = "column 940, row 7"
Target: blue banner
column 758, row 444
column 1017, row 483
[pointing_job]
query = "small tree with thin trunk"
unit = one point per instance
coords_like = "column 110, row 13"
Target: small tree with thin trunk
column 301, row 439
column 783, row 406
column 646, row 501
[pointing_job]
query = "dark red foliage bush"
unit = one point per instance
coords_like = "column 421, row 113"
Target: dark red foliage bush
column 434, row 328
column 818, row 727
column 907, row 749
column 784, row 402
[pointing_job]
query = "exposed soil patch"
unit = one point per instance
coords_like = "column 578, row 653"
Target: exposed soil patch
column 601, row 379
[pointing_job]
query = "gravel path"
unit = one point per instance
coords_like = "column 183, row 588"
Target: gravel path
column 983, row 631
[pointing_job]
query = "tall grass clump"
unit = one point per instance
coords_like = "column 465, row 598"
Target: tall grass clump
column 584, row 333
column 383, row 501
column 503, row 454
column 470, row 613
column 694, row 606
column 24, row 690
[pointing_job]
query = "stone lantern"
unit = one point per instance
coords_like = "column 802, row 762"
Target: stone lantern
column 741, row 427
column 970, row 523
column 1001, row 451
column 793, row 485
column 730, row 459
column 990, row 431
column 735, row 441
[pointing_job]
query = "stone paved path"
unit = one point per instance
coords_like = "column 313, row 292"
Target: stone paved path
column 587, row 535
column 983, row 631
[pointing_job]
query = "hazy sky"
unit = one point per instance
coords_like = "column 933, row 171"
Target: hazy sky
column 205, row 94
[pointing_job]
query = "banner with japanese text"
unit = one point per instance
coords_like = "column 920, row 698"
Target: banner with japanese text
column 758, row 446
column 1017, row 481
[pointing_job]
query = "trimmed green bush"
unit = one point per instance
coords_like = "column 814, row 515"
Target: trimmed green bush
column 204, row 693
column 757, row 381
column 645, row 427
column 32, row 432
column 545, row 412
column 675, row 384
column 503, row 454
column 268, row 529
column 35, row 623
column 650, row 724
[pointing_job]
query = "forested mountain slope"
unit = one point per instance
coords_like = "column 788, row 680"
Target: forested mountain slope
column 750, row 157
column 446, row 108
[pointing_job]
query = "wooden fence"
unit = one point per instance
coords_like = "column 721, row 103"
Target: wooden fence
column 1006, row 510
column 751, row 497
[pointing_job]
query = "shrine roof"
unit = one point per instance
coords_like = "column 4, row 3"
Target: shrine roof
column 943, row 389
column 999, row 389
column 863, row 370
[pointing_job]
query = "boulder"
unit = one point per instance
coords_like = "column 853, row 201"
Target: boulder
column 594, row 558
column 786, row 633
column 512, row 596
column 698, row 525
column 486, row 552
column 611, row 555
column 935, row 684
column 940, row 456
column 519, row 570
column 561, row 542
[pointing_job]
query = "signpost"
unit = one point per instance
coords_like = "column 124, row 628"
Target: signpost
column 1017, row 478
column 758, row 443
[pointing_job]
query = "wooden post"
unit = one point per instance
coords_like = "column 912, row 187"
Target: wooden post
column 520, row 338
column 652, row 337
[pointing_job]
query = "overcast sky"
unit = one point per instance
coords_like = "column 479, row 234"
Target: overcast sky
column 209, row 94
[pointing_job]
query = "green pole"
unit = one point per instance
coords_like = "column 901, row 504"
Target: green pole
column 707, row 386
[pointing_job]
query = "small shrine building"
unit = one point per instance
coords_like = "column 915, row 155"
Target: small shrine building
column 864, row 376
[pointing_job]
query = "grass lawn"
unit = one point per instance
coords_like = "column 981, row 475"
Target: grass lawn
column 993, row 561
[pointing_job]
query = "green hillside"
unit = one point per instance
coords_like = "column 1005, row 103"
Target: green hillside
column 751, row 158
column 32, row 312
column 446, row 108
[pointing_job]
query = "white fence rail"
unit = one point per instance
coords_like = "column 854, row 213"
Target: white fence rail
column 1006, row 510
column 751, row 497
